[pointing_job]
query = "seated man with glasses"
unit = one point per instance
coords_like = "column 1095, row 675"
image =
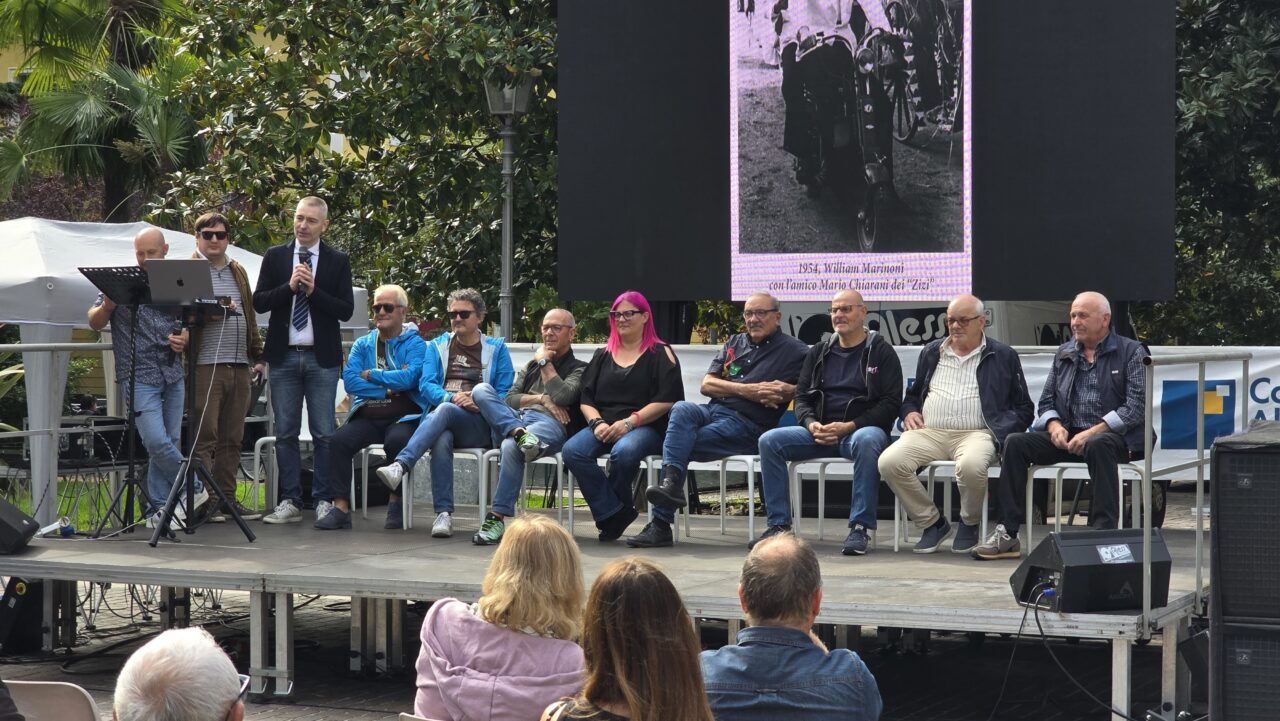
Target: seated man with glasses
column 180, row 675
column 751, row 382
column 536, row 417
column 969, row 394
column 455, row 363
column 381, row 378
column 847, row 399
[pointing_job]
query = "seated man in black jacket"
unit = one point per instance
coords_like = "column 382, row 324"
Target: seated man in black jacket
column 969, row 394
column 846, row 401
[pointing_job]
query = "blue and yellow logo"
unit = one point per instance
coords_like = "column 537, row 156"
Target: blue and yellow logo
column 1178, row 413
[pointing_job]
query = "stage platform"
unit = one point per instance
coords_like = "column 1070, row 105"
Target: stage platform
column 381, row 569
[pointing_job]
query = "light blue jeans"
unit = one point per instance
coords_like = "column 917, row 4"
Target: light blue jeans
column 443, row 429
column 159, row 422
column 504, row 419
column 794, row 443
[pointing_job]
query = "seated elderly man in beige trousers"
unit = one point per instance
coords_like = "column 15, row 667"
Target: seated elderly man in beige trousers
column 968, row 394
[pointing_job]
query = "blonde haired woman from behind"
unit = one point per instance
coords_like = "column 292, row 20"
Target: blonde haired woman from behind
column 641, row 652
column 515, row 650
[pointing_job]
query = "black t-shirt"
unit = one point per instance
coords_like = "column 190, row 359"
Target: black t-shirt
column 842, row 380
column 617, row 392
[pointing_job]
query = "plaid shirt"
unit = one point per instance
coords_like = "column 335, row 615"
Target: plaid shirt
column 1085, row 404
column 156, row 363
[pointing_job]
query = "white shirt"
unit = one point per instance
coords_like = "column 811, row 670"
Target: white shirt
column 307, row 335
column 953, row 402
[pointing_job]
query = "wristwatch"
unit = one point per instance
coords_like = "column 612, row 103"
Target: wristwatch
column 542, row 362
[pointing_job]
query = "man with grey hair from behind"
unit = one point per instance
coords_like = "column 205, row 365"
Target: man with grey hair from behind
column 181, row 675
column 779, row 666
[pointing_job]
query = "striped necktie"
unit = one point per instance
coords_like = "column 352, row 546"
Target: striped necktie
column 301, row 308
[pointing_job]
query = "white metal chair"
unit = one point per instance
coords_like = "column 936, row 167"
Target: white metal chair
column 793, row 481
column 899, row 515
column 52, row 701
column 1060, row 470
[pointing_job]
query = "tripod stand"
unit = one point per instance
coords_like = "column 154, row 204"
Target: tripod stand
column 126, row 287
column 192, row 317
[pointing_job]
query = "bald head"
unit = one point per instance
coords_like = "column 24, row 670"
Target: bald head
column 1090, row 318
column 849, row 317
column 965, row 321
column 149, row 244
column 781, row 582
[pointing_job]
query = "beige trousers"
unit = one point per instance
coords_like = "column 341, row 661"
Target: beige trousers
column 972, row 451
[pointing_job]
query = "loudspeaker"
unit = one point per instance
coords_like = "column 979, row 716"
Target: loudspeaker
column 16, row 528
column 20, row 616
column 1093, row 571
column 1243, row 673
column 1244, row 559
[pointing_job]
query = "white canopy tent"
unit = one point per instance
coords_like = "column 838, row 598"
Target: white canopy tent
column 42, row 292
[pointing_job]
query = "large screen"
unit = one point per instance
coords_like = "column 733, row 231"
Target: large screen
column 848, row 152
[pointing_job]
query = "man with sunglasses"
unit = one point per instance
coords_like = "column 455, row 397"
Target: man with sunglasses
column 537, row 416
column 751, row 382
column 228, row 352
column 180, row 675
column 969, row 394
column 847, row 398
column 306, row 286
column 455, row 363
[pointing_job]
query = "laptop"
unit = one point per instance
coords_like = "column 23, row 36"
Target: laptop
column 179, row 281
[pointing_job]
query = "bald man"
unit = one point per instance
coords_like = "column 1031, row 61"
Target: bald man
column 1093, row 409
column 969, row 394
column 149, row 345
column 846, row 400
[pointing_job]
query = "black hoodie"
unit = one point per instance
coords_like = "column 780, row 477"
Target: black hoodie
column 882, row 372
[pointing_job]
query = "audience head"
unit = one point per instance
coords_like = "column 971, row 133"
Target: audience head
column 630, row 318
column 149, row 244
column 1090, row 318
column 558, row 330
column 534, row 581
column 310, row 220
column 966, row 318
column 781, row 583
column 848, row 313
column 466, row 311
column 180, row 675
column 639, row 646
column 390, row 303
column 761, row 315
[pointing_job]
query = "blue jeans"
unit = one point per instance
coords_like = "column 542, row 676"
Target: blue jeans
column 863, row 447
column 503, row 419
column 159, row 422
column 296, row 378
column 443, row 429
column 606, row 495
column 703, row 432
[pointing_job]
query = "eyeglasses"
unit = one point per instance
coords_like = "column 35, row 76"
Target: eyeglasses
column 758, row 313
column 463, row 314
column 842, row 308
column 211, row 234
column 961, row 321
column 624, row 314
column 554, row 327
column 385, row 307
column 244, row 691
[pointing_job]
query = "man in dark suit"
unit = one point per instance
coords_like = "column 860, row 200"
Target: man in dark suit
column 306, row 286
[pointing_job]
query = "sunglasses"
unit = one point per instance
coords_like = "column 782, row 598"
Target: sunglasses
column 211, row 234
column 385, row 307
column 462, row 314
column 624, row 314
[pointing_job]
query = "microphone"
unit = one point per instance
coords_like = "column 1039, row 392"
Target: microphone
column 175, row 329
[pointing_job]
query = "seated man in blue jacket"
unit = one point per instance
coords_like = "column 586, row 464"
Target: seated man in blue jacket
column 779, row 669
column 381, row 378
column 455, row 363
column 969, row 394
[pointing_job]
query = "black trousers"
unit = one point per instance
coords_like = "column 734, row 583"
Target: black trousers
column 347, row 441
column 1102, row 454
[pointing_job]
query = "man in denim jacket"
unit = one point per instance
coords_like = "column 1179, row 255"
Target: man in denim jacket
column 779, row 668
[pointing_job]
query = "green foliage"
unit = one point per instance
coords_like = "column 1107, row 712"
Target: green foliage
column 1228, row 182
column 415, row 196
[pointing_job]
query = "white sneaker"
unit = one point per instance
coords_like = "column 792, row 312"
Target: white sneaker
column 323, row 508
column 285, row 512
column 154, row 520
column 180, row 510
column 392, row 474
column 443, row 527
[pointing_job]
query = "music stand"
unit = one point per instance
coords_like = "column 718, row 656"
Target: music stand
column 125, row 286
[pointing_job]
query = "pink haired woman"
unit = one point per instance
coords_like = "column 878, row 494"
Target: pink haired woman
column 627, row 390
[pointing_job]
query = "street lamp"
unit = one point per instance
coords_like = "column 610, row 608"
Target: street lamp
column 508, row 102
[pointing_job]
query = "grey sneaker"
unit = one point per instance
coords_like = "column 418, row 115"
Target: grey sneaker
column 966, row 538
column 323, row 508
column 392, row 474
column 490, row 533
column 154, row 520
column 855, row 544
column 999, row 545
column 443, row 527
column 286, row 512
column 932, row 538
column 530, row 446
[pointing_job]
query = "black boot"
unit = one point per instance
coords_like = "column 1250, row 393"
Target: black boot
column 669, row 493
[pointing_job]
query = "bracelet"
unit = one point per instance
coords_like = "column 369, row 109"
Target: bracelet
column 595, row 422
column 629, row 425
